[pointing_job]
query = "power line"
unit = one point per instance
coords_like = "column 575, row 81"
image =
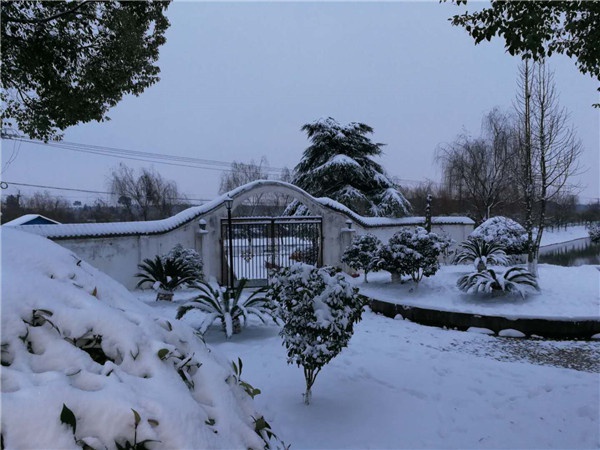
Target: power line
column 88, row 191
column 159, row 158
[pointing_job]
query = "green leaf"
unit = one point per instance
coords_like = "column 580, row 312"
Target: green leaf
column 153, row 422
column 162, row 353
column 67, row 416
column 137, row 417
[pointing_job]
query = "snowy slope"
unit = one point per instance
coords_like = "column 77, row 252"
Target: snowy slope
column 71, row 335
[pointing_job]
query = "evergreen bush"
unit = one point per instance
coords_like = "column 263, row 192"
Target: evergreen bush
column 362, row 253
column 503, row 232
column 319, row 309
column 412, row 253
column 188, row 257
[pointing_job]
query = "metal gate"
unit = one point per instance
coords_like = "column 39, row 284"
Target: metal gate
column 261, row 244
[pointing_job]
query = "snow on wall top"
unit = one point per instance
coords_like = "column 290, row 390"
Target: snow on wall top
column 73, row 230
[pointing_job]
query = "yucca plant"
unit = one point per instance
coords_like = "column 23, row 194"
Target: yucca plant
column 516, row 280
column 480, row 253
column 228, row 307
column 165, row 274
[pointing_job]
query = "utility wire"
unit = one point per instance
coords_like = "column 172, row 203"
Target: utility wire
column 88, row 191
column 160, row 158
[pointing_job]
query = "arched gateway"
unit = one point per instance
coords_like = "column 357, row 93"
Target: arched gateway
column 258, row 243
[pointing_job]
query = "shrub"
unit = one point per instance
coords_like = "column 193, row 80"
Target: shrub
column 165, row 274
column 516, row 280
column 480, row 253
column 412, row 253
column 228, row 307
column 319, row 309
column 190, row 258
column 362, row 253
column 503, row 232
column 594, row 232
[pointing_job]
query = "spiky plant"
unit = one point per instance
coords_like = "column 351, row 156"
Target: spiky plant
column 228, row 307
column 480, row 253
column 515, row 280
column 165, row 275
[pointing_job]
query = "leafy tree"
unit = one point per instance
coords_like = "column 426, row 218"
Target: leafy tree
column 413, row 253
column 362, row 253
column 319, row 309
column 338, row 165
column 69, row 62
column 145, row 196
column 537, row 29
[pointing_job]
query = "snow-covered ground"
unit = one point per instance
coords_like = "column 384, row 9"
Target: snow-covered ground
column 403, row 385
column 397, row 385
column 566, row 292
column 557, row 236
column 73, row 336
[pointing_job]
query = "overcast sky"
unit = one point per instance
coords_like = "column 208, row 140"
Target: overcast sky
column 238, row 80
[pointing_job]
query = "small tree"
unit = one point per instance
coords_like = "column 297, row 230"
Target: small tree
column 362, row 253
column 413, row 253
column 319, row 309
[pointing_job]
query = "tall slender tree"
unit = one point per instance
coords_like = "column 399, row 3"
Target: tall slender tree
column 338, row 164
column 549, row 150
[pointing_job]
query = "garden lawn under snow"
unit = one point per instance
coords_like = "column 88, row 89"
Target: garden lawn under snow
column 569, row 293
column 73, row 336
column 403, row 385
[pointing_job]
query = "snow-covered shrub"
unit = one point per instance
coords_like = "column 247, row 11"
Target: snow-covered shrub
column 74, row 337
column 480, row 253
column 412, row 253
column 362, row 253
column 228, row 306
column 165, row 275
column 594, row 232
column 190, row 258
column 515, row 280
column 319, row 309
column 503, row 232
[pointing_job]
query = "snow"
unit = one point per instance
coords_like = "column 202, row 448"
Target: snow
column 397, row 384
column 27, row 218
column 556, row 236
column 569, row 293
column 337, row 163
column 509, row 332
column 403, row 385
column 53, row 306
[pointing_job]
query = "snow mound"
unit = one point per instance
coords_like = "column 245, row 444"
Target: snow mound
column 509, row 332
column 71, row 335
column 479, row 330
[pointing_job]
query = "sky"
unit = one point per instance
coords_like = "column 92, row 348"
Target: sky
column 238, row 80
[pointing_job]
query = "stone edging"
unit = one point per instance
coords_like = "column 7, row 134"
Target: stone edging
column 556, row 329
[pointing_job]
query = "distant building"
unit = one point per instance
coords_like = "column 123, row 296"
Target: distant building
column 31, row 219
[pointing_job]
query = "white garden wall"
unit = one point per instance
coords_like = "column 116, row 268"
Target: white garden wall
column 117, row 248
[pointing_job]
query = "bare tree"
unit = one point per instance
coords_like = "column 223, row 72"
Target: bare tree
column 548, row 150
column 478, row 168
column 144, row 196
column 243, row 173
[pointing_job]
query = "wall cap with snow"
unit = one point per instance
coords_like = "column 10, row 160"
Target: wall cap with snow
column 113, row 229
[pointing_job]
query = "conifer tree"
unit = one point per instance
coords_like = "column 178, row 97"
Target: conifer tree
column 338, row 164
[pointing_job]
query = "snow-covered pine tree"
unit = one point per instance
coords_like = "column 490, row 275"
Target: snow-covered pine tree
column 362, row 253
column 338, row 164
